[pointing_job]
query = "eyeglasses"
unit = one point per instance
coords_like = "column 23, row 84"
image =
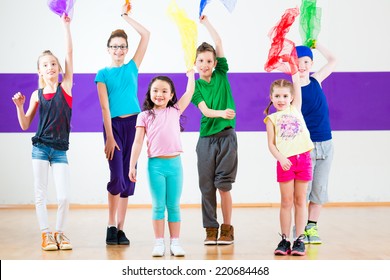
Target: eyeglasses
column 118, row 47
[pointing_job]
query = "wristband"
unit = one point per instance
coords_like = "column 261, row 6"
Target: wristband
column 124, row 14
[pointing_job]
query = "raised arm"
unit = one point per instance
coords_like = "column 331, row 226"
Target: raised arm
column 185, row 100
column 67, row 82
column 136, row 151
column 214, row 35
column 297, row 96
column 328, row 68
column 142, row 31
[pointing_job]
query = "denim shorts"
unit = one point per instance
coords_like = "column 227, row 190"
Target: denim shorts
column 43, row 152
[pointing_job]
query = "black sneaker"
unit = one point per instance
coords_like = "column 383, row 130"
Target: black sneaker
column 112, row 236
column 122, row 239
column 298, row 248
column 283, row 247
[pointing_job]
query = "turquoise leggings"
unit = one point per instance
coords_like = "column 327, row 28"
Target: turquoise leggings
column 166, row 184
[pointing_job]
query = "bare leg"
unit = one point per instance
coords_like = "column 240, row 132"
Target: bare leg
column 174, row 229
column 113, row 201
column 122, row 209
column 300, row 206
column 158, row 227
column 226, row 206
column 287, row 201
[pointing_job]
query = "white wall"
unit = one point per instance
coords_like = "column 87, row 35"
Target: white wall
column 361, row 163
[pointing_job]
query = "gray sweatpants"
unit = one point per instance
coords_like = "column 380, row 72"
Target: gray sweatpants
column 217, row 169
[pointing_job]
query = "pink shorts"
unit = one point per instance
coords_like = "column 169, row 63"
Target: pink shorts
column 301, row 169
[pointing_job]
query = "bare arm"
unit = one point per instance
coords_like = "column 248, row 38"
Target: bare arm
column 297, row 101
column 25, row 119
column 328, row 68
column 284, row 162
column 135, row 152
column 143, row 32
column 111, row 144
column 67, row 82
column 211, row 113
column 214, row 35
column 185, row 100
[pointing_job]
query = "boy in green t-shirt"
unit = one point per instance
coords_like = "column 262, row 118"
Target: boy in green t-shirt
column 217, row 144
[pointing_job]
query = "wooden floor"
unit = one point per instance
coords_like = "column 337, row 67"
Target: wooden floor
column 348, row 233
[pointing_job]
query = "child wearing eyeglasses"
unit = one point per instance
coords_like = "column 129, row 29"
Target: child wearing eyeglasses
column 53, row 102
column 117, row 87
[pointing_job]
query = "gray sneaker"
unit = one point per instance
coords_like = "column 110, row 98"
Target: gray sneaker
column 305, row 239
column 311, row 233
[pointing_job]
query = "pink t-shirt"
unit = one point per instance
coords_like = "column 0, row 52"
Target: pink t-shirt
column 162, row 131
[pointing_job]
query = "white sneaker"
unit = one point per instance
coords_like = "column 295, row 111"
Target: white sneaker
column 176, row 249
column 159, row 248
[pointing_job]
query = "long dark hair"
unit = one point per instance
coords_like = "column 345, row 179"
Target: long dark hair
column 148, row 104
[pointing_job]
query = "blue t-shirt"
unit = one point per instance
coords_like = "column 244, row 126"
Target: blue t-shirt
column 315, row 111
column 122, row 87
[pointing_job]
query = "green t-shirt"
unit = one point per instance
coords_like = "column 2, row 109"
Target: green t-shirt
column 218, row 96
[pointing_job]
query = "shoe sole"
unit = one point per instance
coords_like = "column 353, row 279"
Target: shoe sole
column 210, row 243
column 66, row 247
column 177, row 255
column 225, row 242
column 315, row 242
column 157, row 255
column 50, row 248
column 281, row 253
column 111, row 243
column 124, row 243
column 296, row 253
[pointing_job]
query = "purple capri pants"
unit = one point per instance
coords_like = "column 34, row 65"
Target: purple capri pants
column 124, row 133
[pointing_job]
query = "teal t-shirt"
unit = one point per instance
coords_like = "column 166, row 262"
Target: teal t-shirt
column 218, row 96
column 122, row 87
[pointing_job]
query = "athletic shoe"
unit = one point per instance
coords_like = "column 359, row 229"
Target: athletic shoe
column 159, row 248
column 48, row 242
column 122, row 239
column 112, row 236
column 63, row 242
column 298, row 248
column 176, row 249
column 284, row 247
column 227, row 235
column 211, row 236
column 311, row 231
column 305, row 240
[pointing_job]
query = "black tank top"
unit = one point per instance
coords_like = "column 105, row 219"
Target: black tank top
column 54, row 121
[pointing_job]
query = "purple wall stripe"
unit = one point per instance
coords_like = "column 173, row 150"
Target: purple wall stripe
column 357, row 100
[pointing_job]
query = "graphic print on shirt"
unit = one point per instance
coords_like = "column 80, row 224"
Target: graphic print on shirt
column 289, row 127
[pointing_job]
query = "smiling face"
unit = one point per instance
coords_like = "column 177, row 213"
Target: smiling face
column 160, row 94
column 281, row 97
column 117, row 48
column 48, row 67
column 304, row 66
column 205, row 64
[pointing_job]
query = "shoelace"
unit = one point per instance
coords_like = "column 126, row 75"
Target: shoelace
column 312, row 231
column 211, row 233
column 50, row 239
column 62, row 238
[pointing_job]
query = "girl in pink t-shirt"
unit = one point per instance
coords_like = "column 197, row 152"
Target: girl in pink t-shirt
column 160, row 122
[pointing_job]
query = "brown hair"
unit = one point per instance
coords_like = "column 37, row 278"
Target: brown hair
column 206, row 47
column 41, row 82
column 278, row 83
column 117, row 33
